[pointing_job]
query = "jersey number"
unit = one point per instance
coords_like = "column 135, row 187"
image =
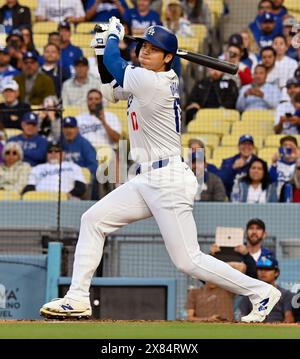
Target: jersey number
column 134, row 121
column 176, row 107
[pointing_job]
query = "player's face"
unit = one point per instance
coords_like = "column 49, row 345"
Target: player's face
column 255, row 234
column 153, row 58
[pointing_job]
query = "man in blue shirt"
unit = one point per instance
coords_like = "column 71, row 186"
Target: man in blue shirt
column 34, row 146
column 69, row 52
column 265, row 30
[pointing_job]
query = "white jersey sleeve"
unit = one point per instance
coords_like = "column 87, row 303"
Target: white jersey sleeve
column 139, row 81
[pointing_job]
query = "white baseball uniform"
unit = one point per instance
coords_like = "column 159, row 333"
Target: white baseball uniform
column 91, row 128
column 45, row 177
column 164, row 189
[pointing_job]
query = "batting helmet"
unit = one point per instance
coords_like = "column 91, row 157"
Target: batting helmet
column 160, row 37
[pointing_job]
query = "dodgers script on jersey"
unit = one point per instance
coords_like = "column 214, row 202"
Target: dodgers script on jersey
column 153, row 113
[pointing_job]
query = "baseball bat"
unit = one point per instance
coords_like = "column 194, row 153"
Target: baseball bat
column 203, row 60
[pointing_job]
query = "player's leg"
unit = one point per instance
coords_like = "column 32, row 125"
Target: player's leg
column 120, row 207
column 172, row 210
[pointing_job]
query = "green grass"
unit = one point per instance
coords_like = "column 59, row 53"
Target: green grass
column 149, row 330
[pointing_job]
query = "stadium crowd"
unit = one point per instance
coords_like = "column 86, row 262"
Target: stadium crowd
column 42, row 72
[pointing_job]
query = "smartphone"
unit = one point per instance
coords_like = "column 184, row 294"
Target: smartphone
column 288, row 114
column 99, row 109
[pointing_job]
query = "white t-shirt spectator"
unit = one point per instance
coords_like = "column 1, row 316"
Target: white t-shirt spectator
column 45, row 177
column 282, row 109
column 91, row 128
column 58, row 10
column 256, row 195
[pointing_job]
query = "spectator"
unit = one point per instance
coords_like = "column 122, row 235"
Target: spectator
column 255, row 234
column 211, row 302
column 284, row 121
column 259, row 95
column 98, row 126
column 268, row 271
column 68, row 10
column 54, row 38
column 14, row 15
column 295, row 118
column 45, row 177
column 288, row 23
column 156, row 5
column 33, row 145
column 50, row 119
column 103, row 10
column 77, row 149
column 176, row 20
column 69, row 52
column 7, row 72
column 2, row 142
column 52, row 68
column 140, row 18
column 16, row 48
column 14, row 172
column 28, row 38
column 11, row 110
column 284, row 64
column 211, row 188
column 75, row 90
column 249, row 56
column 283, row 161
column 256, row 186
column 213, row 91
column 267, row 29
column 197, row 12
column 233, row 54
column 290, row 191
column 235, row 167
column 268, row 57
column 34, row 86
column 278, row 9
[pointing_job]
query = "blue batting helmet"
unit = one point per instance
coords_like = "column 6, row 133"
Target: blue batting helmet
column 160, row 37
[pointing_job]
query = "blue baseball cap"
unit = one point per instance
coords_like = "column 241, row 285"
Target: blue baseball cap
column 266, row 17
column 267, row 262
column 70, row 122
column 30, row 117
column 64, row 25
column 30, row 55
column 293, row 81
column 246, row 138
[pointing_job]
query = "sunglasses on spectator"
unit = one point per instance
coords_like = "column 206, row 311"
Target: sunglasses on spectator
column 53, row 151
column 15, row 153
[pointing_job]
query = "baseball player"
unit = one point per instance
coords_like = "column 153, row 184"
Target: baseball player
column 164, row 186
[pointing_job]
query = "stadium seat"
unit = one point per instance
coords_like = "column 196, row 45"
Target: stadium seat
column 88, row 52
column 43, row 196
column 10, row 132
column 188, row 43
column 267, row 153
column 224, row 152
column 262, row 128
column 44, row 27
column 200, row 31
column 85, row 28
column 208, row 139
column 215, row 161
column 73, row 111
column 274, row 140
column 232, row 140
column 255, row 116
column 216, row 8
column 122, row 115
column 9, row 196
column 86, row 174
column 292, row 5
column 208, row 114
column 40, row 40
column 81, row 40
column 217, row 127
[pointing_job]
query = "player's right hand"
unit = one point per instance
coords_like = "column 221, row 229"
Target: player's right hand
column 116, row 28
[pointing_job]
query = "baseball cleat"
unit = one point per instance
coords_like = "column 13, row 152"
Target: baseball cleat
column 65, row 308
column 263, row 308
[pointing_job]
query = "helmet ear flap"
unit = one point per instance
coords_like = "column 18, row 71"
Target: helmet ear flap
column 138, row 48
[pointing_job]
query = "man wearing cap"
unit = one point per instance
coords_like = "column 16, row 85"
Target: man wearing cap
column 16, row 48
column 287, row 26
column 255, row 234
column 14, row 15
column 69, row 52
column 34, row 146
column 268, row 271
column 77, row 149
column 34, row 85
column 7, row 71
column 258, row 95
column 11, row 110
column 235, row 167
column 45, row 177
column 75, row 90
column 267, row 30
column 55, row 10
column 285, row 110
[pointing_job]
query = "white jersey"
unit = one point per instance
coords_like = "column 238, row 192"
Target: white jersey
column 45, row 177
column 282, row 109
column 91, row 128
column 153, row 113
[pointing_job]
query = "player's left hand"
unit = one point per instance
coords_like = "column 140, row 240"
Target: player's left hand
column 116, row 28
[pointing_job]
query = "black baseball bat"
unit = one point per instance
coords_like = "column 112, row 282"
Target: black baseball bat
column 203, row 60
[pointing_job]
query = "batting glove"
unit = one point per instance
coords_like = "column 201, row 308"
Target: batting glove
column 116, row 28
column 99, row 40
